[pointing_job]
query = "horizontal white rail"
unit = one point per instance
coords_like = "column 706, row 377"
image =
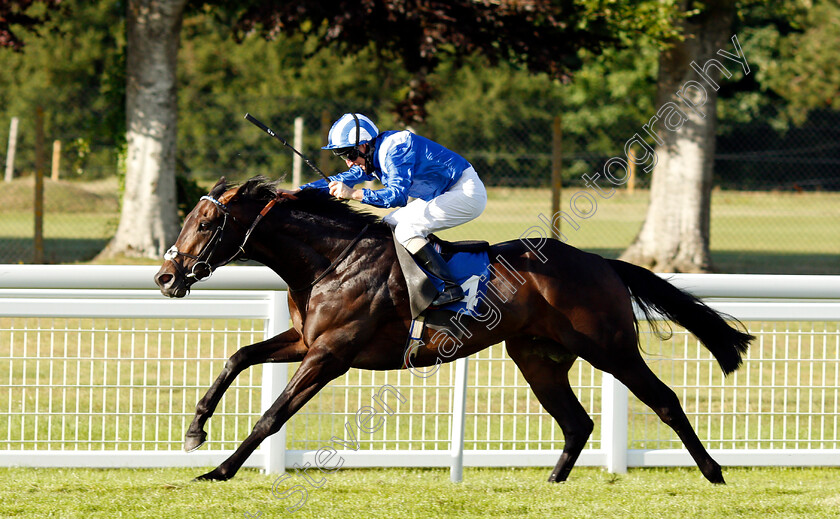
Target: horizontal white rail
column 738, row 458
column 66, row 303
column 740, row 286
column 131, row 277
column 780, row 310
column 757, row 286
column 472, row 458
column 121, row 459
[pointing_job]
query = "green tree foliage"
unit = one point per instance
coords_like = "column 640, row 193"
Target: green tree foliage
column 22, row 15
column 501, row 117
column 787, row 103
column 791, row 47
column 540, row 35
column 802, row 68
column 222, row 79
column 74, row 69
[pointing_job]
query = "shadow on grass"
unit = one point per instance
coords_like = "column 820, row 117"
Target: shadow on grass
column 750, row 262
column 56, row 250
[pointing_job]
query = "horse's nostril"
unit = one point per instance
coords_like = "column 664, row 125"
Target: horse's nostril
column 164, row 279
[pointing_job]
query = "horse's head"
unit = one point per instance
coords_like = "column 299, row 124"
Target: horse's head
column 211, row 237
column 218, row 229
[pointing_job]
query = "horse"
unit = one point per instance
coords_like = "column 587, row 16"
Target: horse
column 349, row 307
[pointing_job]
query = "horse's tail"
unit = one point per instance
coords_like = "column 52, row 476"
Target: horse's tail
column 654, row 294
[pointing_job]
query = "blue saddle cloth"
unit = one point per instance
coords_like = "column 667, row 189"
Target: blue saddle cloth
column 470, row 270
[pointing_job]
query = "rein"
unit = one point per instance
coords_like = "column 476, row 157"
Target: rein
column 202, row 269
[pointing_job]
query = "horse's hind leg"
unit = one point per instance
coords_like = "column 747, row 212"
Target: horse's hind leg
column 638, row 377
column 545, row 366
column 286, row 347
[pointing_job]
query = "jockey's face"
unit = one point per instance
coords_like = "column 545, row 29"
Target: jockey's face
column 360, row 160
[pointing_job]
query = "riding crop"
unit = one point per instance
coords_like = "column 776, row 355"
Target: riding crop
column 253, row 120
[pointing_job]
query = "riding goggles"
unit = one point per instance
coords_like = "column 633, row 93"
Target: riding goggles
column 347, row 153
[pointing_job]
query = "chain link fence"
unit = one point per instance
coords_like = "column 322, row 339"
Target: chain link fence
column 775, row 203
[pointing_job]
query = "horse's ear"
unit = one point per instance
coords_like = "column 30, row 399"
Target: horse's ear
column 219, row 188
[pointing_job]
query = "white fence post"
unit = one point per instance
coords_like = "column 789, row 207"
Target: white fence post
column 614, row 423
column 10, row 154
column 459, row 409
column 297, row 162
column 273, row 382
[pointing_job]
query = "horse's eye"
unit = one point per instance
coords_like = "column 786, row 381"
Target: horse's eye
column 204, row 226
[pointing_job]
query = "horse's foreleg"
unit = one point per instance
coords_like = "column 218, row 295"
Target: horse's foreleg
column 545, row 367
column 316, row 370
column 286, row 347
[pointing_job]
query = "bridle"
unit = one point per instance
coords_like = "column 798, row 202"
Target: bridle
column 203, row 269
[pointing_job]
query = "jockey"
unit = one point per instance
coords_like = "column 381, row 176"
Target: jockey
column 445, row 188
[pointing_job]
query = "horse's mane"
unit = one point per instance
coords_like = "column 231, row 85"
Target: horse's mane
column 311, row 201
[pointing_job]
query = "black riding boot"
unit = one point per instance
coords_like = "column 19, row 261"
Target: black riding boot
column 430, row 260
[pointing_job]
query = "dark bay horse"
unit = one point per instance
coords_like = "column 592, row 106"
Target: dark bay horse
column 349, row 308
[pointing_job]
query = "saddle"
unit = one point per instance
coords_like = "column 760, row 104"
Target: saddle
column 421, row 289
column 450, row 248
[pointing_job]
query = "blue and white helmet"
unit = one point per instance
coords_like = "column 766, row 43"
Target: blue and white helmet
column 350, row 131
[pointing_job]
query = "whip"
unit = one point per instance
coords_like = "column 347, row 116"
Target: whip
column 253, row 120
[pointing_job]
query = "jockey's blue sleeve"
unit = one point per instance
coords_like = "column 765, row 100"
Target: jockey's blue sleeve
column 351, row 177
column 397, row 172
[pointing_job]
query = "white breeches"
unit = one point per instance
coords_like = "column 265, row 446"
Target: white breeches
column 463, row 202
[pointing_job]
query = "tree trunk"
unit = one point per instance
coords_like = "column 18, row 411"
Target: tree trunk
column 149, row 218
column 675, row 234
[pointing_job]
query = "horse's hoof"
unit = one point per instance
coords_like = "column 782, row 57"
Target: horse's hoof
column 194, row 441
column 715, row 475
column 213, row 475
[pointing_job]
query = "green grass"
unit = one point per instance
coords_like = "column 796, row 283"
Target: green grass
column 62, row 196
column 79, row 219
column 108, row 368
column 668, row 493
column 425, row 493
